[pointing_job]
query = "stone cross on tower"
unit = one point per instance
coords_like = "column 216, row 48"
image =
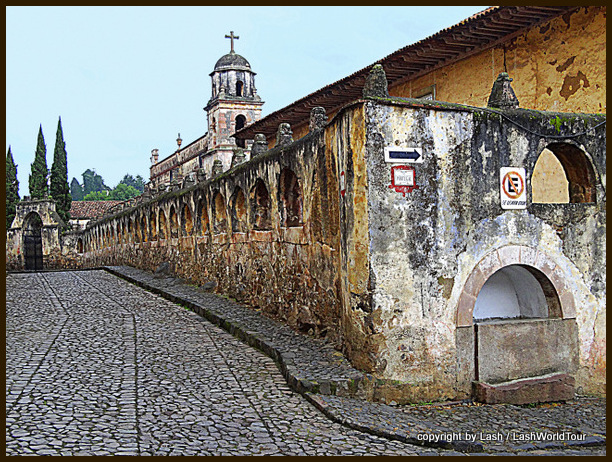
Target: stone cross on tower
column 232, row 37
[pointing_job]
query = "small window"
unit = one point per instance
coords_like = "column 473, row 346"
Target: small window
column 548, row 181
column 240, row 123
column 428, row 93
column 239, row 88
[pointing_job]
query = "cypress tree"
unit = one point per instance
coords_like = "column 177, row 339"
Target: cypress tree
column 76, row 190
column 37, row 182
column 60, row 191
column 12, row 188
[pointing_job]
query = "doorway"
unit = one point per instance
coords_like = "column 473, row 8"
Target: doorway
column 32, row 242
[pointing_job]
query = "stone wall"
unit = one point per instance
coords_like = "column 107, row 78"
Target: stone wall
column 264, row 233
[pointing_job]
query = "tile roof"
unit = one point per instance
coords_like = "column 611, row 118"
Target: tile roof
column 483, row 30
column 81, row 210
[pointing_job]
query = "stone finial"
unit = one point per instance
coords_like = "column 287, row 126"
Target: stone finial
column 260, row 145
column 238, row 158
column 217, row 168
column 201, row 175
column 154, row 156
column 284, row 135
column 502, row 95
column 189, row 180
column 318, row 118
column 376, row 83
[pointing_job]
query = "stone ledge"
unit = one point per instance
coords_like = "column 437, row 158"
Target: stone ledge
column 546, row 388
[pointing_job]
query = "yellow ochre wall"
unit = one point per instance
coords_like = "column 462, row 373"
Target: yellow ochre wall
column 557, row 66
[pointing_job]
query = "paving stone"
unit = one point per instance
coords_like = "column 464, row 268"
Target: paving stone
column 111, row 369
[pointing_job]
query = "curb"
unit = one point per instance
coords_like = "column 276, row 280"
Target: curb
column 334, row 415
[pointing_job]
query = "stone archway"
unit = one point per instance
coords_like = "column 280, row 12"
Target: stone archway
column 32, row 242
column 516, row 324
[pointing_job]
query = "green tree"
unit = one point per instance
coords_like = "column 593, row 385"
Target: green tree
column 37, row 182
column 12, row 188
column 60, row 191
column 137, row 183
column 123, row 192
column 97, row 196
column 76, row 190
column 93, row 182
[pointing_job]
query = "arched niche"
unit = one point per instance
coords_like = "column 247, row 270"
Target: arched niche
column 238, row 211
column 186, row 221
column 174, row 226
column 260, row 206
column 290, row 199
column 219, row 214
column 163, row 225
column 549, row 276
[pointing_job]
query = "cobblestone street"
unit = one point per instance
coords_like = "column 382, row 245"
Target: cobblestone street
column 98, row 366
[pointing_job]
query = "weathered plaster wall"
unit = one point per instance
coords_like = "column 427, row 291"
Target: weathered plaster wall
column 557, row 66
column 346, row 141
column 424, row 247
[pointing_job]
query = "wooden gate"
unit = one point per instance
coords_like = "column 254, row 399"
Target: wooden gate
column 32, row 243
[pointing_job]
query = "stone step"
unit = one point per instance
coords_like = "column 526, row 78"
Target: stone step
column 557, row 386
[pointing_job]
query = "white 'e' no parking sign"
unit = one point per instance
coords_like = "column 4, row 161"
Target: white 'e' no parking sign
column 513, row 188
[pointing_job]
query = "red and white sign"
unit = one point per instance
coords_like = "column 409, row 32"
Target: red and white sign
column 512, row 188
column 342, row 184
column 403, row 179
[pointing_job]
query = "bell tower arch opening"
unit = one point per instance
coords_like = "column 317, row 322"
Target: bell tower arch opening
column 240, row 123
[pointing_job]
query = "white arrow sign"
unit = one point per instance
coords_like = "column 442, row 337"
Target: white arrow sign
column 404, row 155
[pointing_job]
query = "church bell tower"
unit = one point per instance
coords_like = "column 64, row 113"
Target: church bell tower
column 233, row 105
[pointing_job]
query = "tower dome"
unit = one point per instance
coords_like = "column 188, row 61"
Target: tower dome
column 233, row 77
column 232, row 61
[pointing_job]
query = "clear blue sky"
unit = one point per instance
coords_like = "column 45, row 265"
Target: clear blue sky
column 126, row 80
